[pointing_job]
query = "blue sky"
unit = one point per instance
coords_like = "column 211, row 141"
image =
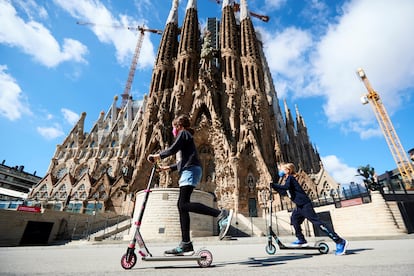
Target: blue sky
column 52, row 70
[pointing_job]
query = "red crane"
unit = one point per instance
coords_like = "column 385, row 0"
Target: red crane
column 127, row 91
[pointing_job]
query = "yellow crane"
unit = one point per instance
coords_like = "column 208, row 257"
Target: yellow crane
column 127, row 91
column 400, row 157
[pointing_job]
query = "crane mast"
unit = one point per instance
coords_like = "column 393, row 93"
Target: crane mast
column 127, row 91
column 403, row 163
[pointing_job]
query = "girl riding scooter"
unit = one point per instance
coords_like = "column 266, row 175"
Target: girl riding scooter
column 304, row 209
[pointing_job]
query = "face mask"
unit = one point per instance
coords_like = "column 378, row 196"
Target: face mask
column 175, row 132
column 282, row 173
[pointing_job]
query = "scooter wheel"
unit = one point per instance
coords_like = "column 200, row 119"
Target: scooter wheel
column 270, row 249
column 128, row 264
column 323, row 248
column 206, row 258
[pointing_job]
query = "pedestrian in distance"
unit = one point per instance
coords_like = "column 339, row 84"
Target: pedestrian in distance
column 189, row 168
column 304, row 209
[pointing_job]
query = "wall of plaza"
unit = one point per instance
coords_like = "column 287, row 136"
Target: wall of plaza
column 161, row 222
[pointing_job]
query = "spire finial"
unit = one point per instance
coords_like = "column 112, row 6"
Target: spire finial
column 244, row 12
column 227, row 3
column 173, row 16
column 191, row 4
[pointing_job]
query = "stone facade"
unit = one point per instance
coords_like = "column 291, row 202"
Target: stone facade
column 227, row 90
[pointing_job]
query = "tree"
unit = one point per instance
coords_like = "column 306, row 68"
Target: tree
column 370, row 177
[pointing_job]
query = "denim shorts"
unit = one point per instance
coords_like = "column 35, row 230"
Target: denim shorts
column 190, row 176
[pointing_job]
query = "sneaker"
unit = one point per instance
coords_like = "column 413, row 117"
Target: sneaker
column 223, row 214
column 184, row 247
column 299, row 243
column 341, row 247
column 224, row 222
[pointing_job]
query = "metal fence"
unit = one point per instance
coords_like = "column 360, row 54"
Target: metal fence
column 336, row 198
column 86, row 229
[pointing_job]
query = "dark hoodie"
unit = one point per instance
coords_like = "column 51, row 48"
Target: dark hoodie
column 184, row 143
column 293, row 189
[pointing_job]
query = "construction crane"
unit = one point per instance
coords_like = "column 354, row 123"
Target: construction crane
column 127, row 91
column 236, row 8
column 403, row 163
column 125, row 96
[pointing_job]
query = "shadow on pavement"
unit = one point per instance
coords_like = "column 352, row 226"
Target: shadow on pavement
column 277, row 260
column 356, row 251
column 251, row 262
column 261, row 261
column 256, row 261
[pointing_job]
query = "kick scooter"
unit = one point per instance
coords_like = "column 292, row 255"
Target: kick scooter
column 321, row 246
column 203, row 257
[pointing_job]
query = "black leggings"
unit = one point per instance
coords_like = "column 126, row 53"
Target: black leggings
column 185, row 206
column 301, row 212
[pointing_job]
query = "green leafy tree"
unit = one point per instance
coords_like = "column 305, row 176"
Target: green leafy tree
column 370, row 177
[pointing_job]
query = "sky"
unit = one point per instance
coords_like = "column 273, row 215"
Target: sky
column 53, row 69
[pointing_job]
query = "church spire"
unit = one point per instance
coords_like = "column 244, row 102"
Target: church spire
column 250, row 54
column 186, row 65
column 162, row 83
column 299, row 118
column 231, row 71
column 163, row 73
column 256, row 117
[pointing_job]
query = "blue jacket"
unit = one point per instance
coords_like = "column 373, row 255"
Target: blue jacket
column 184, row 143
column 293, row 190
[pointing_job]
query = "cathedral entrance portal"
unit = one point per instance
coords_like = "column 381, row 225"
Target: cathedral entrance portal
column 252, row 207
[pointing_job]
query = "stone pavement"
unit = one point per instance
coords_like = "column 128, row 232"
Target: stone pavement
column 244, row 256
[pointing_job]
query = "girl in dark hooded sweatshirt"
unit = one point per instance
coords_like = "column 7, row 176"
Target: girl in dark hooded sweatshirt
column 304, row 209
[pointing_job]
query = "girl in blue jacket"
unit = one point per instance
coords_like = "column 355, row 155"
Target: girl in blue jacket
column 304, row 209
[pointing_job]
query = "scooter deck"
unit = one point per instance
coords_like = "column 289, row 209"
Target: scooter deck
column 307, row 247
column 320, row 245
column 173, row 258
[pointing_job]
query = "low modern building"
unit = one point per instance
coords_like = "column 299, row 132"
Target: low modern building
column 15, row 185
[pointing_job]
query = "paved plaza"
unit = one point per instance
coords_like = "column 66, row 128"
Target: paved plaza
column 244, row 256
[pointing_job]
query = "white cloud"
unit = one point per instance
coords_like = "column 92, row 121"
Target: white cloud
column 32, row 9
column 285, row 50
column 36, row 40
column 274, row 4
column 341, row 172
column 285, row 54
column 316, row 11
column 50, row 133
column 111, row 30
column 13, row 104
column 70, row 116
column 371, row 35
column 363, row 128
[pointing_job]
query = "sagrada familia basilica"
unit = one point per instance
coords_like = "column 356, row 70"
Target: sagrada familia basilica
column 220, row 77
